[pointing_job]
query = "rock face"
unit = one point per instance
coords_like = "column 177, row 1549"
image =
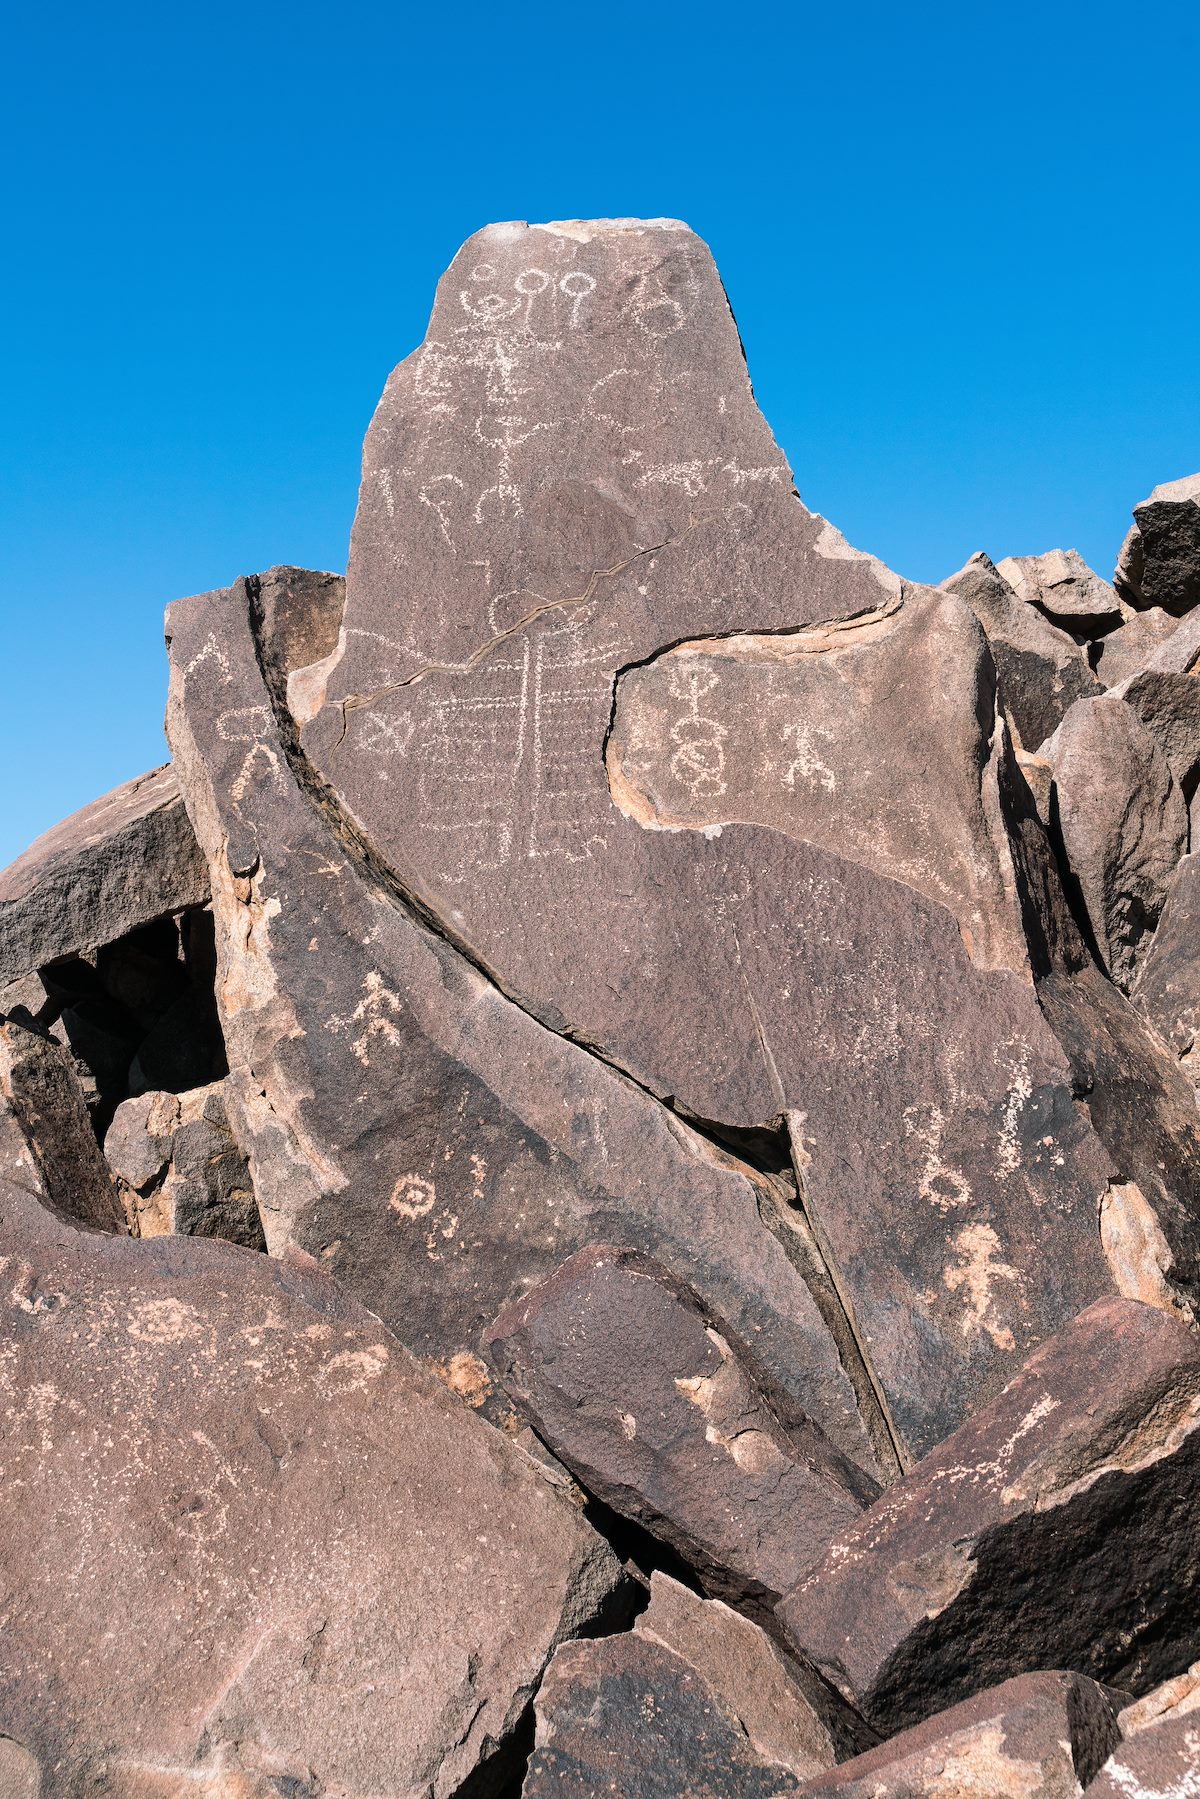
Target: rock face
column 336, row 1577
column 1061, row 585
column 403, row 1120
column 607, row 703
column 1159, row 564
column 689, row 1042
column 1080, row 1476
column 1123, row 822
column 1041, row 670
column 1040, row 1736
column 657, row 1412
column 124, row 860
column 1158, row 1764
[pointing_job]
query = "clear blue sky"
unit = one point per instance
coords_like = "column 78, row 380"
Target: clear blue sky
column 961, row 241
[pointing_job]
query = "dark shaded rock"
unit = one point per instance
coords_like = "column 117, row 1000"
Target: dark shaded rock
column 789, row 1717
column 1041, row 669
column 337, row 1579
column 1123, row 825
column 49, row 1110
column 660, row 1412
column 126, row 858
column 1060, row 584
column 1039, row 1736
column 180, row 1168
column 1159, row 1763
column 439, row 1148
column 1056, row 1529
column 1159, row 563
column 628, row 1718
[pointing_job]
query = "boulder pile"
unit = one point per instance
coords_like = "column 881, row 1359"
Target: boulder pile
column 600, row 1182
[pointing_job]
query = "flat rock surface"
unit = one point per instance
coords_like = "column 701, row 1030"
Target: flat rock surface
column 1167, row 992
column 125, row 859
column 246, row 1536
column 787, row 1717
column 628, row 1718
column 790, row 949
column 662, row 1416
column 1160, row 1763
column 1039, row 1736
column 1056, row 1529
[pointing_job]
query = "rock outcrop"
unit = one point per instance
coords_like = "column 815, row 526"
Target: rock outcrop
column 600, row 1183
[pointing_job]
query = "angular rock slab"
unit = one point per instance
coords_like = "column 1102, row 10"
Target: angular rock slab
column 1123, row 824
column 125, row 859
column 1060, row 584
column 787, row 1716
column 45, row 1108
column 569, row 478
column 1159, row 563
column 1059, row 1528
column 1160, row 1763
column 436, row 1146
column 1039, row 1736
column 1165, row 693
column 1042, row 671
column 658, row 1413
column 1126, row 650
column 628, row 1718
column 335, row 1577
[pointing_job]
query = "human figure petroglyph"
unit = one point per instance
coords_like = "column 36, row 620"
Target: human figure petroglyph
column 807, row 765
column 698, row 762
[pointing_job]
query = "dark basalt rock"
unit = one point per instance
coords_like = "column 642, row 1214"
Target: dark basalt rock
column 1081, row 1479
column 1159, row 563
column 659, row 1412
column 124, row 860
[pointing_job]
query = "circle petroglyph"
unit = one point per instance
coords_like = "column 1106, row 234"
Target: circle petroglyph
column 413, row 1196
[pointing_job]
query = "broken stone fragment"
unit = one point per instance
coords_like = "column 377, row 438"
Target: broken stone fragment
column 1123, row 824
column 1060, row 584
column 789, row 1717
column 1158, row 1763
column 1159, row 563
column 436, row 1146
column 1127, row 649
column 1038, row 1736
column 49, row 1110
column 1173, row 1699
column 125, row 859
column 658, row 1412
column 628, row 1718
column 1080, row 1479
column 180, row 1168
column 1041, row 669
column 338, row 1579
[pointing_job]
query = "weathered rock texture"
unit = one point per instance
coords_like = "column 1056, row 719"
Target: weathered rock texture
column 703, row 1031
column 1039, row 1736
column 128, row 858
column 1061, row 585
column 1159, row 564
column 1080, row 1479
column 660, row 1414
column 332, row 1574
column 1042, row 671
column 180, row 1170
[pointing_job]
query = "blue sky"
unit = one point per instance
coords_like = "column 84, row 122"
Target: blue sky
column 961, row 242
